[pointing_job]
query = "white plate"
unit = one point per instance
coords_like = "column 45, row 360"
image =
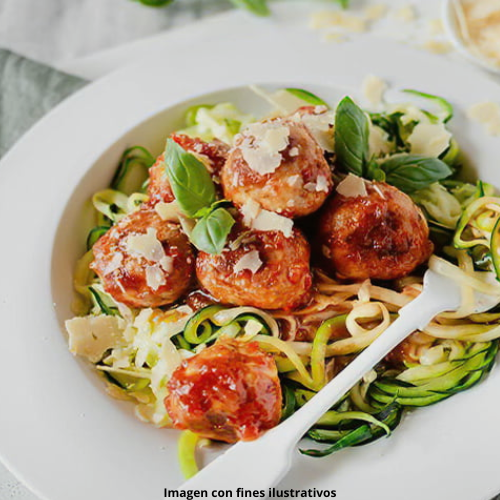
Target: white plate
column 59, row 432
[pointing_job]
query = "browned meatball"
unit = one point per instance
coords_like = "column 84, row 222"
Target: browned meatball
column 143, row 261
column 228, row 392
column 213, row 155
column 383, row 235
column 258, row 268
column 294, row 181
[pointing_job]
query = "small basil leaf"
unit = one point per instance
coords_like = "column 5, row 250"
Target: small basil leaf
column 351, row 137
column 343, row 3
column 446, row 107
column 210, row 233
column 258, row 7
column 307, row 96
column 190, row 181
column 413, row 172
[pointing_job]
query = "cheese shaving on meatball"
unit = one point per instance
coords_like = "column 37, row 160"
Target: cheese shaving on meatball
column 146, row 245
column 115, row 263
column 352, row 186
column 270, row 221
column 155, row 278
column 250, row 261
column 261, row 146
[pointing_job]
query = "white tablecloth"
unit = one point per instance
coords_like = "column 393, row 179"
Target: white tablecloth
column 54, row 31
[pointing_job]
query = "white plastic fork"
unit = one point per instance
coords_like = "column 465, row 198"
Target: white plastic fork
column 261, row 464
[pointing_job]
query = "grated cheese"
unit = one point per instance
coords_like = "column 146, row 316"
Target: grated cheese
column 488, row 114
column 294, row 151
column 250, row 261
column 352, row 186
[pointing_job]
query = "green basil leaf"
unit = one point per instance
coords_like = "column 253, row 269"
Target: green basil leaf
column 413, row 172
column 258, row 7
column 446, row 107
column 343, row 3
column 190, row 181
column 307, row 96
column 351, row 137
column 210, row 233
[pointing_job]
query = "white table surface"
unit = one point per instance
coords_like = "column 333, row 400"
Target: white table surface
column 71, row 34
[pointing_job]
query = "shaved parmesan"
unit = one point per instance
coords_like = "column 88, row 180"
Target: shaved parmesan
column 488, row 114
column 333, row 18
column 375, row 12
column 270, row 221
column 167, row 264
column 437, row 47
column 168, row 211
column 321, row 128
column 310, row 186
column 479, row 23
column 294, row 151
column 352, row 186
column 435, row 27
column 114, row 264
column 250, row 210
column 429, row 139
column 146, row 245
column 406, row 14
column 250, row 261
column 322, row 184
column 92, row 336
column 253, row 327
column 294, row 180
column 155, row 277
column 378, row 141
column 374, row 89
column 262, row 144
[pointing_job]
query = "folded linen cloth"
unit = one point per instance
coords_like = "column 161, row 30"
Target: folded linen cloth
column 28, row 90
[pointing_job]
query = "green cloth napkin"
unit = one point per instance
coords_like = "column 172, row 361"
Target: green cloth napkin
column 28, row 90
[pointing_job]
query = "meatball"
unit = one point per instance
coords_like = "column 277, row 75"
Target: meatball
column 213, row 154
column 229, row 392
column 144, row 261
column 293, row 181
column 382, row 235
column 258, row 268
